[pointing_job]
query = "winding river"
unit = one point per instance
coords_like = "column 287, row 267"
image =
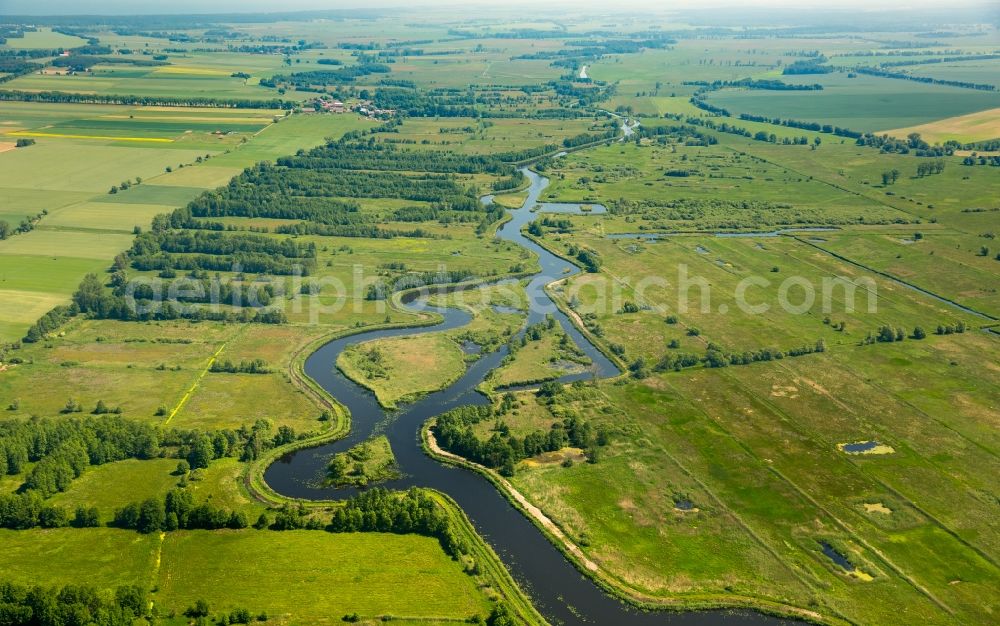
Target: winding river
column 559, row 591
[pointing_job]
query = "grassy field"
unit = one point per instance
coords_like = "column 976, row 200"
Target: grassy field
column 104, row 557
column 143, row 367
column 295, row 564
column 112, row 486
column 755, row 194
column 187, row 566
column 942, row 261
column 466, row 135
column 400, row 369
column 697, row 279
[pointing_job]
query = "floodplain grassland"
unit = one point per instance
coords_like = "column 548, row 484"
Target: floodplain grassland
column 935, row 232
column 400, row 369
column 941, row 260
column 754, row 448
column 759, row 441
column 370, row 461
column 696, row 284
column 536, row 360
column 724, row 187
column 156, row 372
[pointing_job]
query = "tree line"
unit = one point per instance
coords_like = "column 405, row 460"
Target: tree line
column 176, row 510
column 169, row 101
column 21, row 605
column 219, row 251
column 715, row 356
column 59, row 451
column 913, row 143
column 872, row 71
column 753, row 83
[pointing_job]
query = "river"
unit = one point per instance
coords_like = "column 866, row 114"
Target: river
column 559, row 591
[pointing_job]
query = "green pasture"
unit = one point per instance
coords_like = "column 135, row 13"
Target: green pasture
column 294, row 564
column 43, row 38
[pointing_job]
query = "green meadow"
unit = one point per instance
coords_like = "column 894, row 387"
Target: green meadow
column 198, row 564
column 188, row 566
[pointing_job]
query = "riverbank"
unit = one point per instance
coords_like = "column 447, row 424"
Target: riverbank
column 602, row 577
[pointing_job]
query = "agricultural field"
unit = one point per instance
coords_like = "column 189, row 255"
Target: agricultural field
column 980, row 72
column 863, row 103
column 80, row 225
column 977, row 126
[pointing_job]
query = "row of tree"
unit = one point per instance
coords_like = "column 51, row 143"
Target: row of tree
column 193, row 101
column 174, row 511
column 410, row 512
column 716, row 356
column 21, row 605
column 23, row 511
column 882, row 73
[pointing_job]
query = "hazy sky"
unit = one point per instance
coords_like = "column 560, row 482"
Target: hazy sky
column 124, row 7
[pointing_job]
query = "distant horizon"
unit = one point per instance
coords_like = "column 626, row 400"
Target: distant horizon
column 28, row 8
